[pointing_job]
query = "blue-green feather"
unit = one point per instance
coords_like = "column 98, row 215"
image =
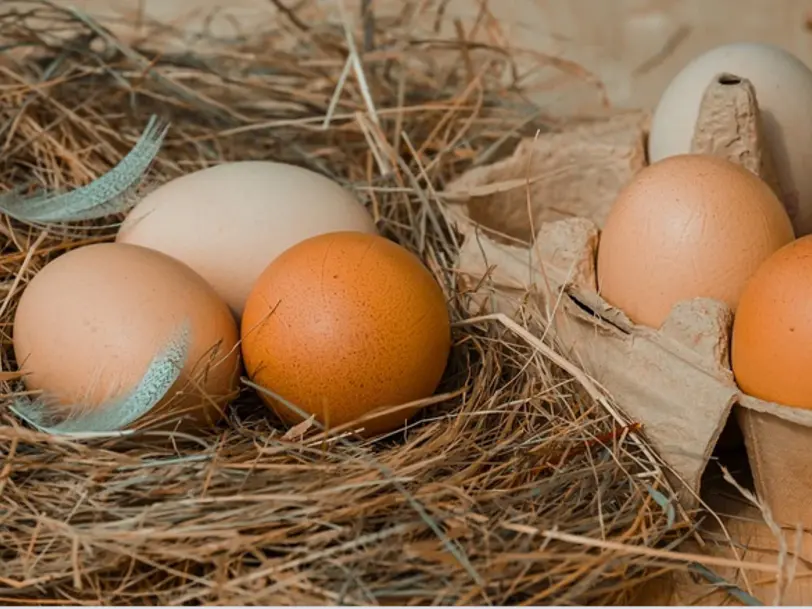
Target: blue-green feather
column 104, row 196
column 116, row 415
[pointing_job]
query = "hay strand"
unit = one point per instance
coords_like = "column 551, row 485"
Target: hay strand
column 486, row 497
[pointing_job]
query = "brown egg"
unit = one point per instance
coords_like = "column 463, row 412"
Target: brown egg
column 771, row 350
column 686, row 227
column 342, row 324
column 91, row 322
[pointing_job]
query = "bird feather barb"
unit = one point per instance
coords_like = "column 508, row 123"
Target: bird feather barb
column 104, row 196
column 116, row 415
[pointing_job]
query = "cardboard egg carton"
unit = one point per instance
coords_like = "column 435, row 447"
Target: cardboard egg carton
column 675, row 380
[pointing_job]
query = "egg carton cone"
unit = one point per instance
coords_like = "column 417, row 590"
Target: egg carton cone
column 675, row 380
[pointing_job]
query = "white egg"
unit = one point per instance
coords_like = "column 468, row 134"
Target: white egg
column 783, row 85
column 230, row 221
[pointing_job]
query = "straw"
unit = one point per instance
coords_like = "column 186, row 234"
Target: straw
column 520, row 483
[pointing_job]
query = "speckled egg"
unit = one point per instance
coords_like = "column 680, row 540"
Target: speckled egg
column 343, row 324
column 772, row 331
column 92, row 326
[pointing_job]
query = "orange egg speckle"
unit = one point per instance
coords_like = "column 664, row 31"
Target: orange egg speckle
column 772, row 332
column 686, row 227
column 344, row 323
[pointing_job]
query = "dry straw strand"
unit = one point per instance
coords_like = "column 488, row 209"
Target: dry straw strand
column 516, row 440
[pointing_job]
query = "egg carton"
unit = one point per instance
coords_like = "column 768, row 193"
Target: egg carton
column 675, row 380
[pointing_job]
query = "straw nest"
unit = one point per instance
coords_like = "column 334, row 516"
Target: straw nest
column 512, row 487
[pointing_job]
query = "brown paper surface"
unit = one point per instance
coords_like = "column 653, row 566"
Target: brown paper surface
column 781, row 460
column 729, row 125
column 790, row 556
column 575, row 173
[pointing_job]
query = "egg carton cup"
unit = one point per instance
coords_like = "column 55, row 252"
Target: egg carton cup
column 675, row 380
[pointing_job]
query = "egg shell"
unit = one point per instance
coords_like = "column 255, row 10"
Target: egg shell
column 783, row 85
column 228, row 222
column 90, row 322
column 689, row 226
column 771, row 348
column 344, row 323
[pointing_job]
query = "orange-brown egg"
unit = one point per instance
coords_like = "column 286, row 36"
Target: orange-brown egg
column 342, row 324
column 771, row 350
column 94, row 325
column 686, row 227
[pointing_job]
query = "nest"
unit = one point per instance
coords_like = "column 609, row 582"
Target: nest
column 514, row 486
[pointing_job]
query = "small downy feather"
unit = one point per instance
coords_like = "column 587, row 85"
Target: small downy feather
column 104, row 196
column 116, row 415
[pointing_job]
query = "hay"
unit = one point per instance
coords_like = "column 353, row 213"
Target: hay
column 513, row 487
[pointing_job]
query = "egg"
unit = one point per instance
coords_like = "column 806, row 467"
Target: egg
column 783, row 85
column 689, row 226
column 344, row 323
column 228, row 222
column 90, row 323
column 771, row 348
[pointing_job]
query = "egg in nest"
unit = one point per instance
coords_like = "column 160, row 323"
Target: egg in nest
column 114, row 335
column 228, row 222
column 343, row 324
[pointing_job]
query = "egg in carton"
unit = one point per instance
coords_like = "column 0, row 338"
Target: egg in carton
column 676, row 380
